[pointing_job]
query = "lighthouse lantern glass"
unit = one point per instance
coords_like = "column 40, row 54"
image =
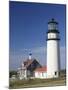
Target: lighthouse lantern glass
column 52, row 26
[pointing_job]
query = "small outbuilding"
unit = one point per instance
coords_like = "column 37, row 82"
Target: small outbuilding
column 40, row 72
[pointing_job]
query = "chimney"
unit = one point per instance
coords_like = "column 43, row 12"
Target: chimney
column 30, row 56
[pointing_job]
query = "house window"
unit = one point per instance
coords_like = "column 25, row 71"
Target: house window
column 38, row 74
column 42, row 74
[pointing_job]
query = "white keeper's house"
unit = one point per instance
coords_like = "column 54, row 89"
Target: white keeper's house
column 28, row 67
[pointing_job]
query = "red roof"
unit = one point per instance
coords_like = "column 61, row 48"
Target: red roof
column 41, row 69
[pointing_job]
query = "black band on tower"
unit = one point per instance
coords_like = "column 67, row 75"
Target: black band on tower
column 53, row 31
column 52, row 39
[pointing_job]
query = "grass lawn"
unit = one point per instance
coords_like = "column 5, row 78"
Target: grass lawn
column 37, row 83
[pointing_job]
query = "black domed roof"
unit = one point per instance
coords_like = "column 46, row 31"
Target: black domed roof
column 52, row 21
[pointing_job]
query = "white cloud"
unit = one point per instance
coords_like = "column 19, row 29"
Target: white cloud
column 39, row 49
column 38, row 52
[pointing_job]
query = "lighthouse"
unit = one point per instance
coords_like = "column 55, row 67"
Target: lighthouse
column 53, row 50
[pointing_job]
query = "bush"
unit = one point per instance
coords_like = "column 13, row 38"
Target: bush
column 12, row 73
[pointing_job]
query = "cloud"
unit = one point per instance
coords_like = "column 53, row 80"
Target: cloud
column 39, row 53
column 39, row 50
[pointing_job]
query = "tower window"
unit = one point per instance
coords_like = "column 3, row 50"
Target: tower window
column 55, row 73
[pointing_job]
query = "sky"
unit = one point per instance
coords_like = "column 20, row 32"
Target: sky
column 28, row 24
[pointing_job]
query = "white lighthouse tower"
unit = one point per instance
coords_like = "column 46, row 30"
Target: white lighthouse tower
column 53, row 52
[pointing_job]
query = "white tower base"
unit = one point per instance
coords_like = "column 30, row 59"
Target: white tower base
column 52, row 58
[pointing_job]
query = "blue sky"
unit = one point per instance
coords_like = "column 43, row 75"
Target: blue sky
column 28, row 27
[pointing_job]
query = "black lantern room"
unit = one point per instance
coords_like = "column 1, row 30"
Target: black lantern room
column 53, row 26
column 53, row 33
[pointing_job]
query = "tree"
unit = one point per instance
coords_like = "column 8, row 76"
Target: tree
column 12, row 73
